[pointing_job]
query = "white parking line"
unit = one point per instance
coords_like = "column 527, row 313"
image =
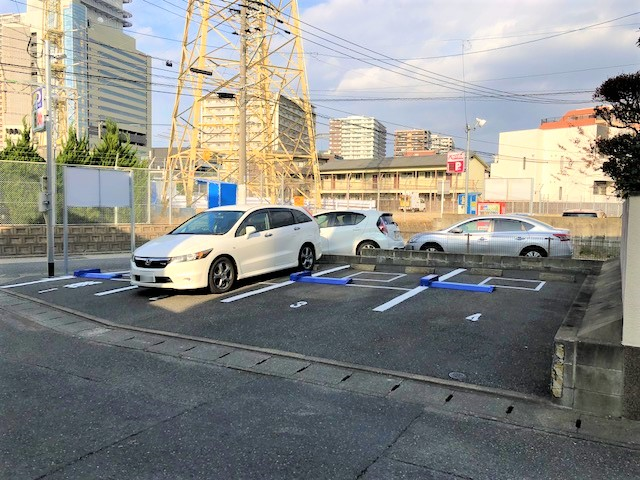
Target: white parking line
column 52, row 279
column 278, row 285
column 541, row 283
column 414, row 291
column 377, row 286
column 117, row 290
column 255, row 292
column 400, row 298
column 455, row 272
column 390, row 276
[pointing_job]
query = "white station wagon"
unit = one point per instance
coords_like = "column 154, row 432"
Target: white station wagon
column 221, row 245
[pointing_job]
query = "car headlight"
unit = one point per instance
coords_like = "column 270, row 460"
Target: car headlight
column 414, row 239
column 191, row 256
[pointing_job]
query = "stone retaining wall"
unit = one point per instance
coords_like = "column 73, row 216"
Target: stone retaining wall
column 31, row 240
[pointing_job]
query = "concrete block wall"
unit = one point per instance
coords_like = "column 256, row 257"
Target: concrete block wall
column 587, row 370
column 31, row 240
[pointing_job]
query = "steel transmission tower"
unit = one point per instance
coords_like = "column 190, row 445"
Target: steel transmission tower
column 242, row 108
column 52, row 30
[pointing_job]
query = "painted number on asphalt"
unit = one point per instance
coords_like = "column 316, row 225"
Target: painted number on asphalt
column 298, row 304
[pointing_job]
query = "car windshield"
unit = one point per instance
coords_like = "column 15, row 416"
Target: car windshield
column 216, row 222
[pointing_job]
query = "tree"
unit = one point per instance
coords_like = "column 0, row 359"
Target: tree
column 114, row 147
column 23, row 150
column 75, row 151
column 622, row 93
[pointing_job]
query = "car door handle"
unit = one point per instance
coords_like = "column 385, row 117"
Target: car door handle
column 296, row 228
column 268, row 234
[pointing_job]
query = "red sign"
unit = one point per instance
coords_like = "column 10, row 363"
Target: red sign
column 455, row 162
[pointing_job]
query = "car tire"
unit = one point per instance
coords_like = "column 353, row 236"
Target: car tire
column 431, row 247
column 535, row 252
column 366, row 245
column 222, row 275
column 307, row 257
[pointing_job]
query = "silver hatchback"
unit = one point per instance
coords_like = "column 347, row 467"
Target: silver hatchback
column 497, row 235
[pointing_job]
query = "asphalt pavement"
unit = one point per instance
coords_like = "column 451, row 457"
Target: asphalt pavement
column 84, row 398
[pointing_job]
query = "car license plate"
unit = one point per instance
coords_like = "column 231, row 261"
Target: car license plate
column 147, row 278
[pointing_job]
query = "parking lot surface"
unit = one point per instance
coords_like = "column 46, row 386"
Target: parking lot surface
column 380, row 319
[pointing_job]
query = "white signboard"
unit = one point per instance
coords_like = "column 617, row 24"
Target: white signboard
column 90, row 187
column 508, row 189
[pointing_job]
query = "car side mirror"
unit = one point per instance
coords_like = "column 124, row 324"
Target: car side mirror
column 249, row 229
column 456, row 230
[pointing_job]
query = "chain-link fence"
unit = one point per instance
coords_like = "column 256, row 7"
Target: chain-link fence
column 155, row 201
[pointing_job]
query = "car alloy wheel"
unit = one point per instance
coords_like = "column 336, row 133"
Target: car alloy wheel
column 222, row 275
column 306, row 257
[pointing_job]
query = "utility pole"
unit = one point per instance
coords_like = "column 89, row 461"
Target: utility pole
column 242, row 120
column 479, row 124
column 51, row 166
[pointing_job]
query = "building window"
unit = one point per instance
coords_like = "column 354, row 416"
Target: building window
column 600, row 187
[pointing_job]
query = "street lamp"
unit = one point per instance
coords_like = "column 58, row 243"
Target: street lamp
column 479, row 124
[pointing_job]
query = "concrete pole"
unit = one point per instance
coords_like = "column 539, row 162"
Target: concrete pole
column 467, row 161
column 51, row 166
column 242, row 150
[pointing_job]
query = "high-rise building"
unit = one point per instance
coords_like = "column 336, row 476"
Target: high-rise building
column 15, row 73
column 407, row 141
column 357, row 137
column 441, row 143
column 219, row 135
column 97, row 72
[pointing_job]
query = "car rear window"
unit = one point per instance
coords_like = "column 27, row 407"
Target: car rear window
column 301, row 217
column 387, row 218
column 281, row 218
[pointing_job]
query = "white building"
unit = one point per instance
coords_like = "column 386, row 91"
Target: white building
column 557, row 156
column 357, row 137
column 441, row 143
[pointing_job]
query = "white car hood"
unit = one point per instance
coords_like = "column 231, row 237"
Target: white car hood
column 174, row 245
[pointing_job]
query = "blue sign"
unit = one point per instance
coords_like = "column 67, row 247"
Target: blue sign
column 472, row 207
column 39, row 123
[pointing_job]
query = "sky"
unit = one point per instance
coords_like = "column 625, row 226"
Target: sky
column 429, row 64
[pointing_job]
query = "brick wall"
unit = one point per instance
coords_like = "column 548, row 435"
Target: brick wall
column 31, row 240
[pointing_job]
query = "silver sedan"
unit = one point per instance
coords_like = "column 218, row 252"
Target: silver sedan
column 497, row 235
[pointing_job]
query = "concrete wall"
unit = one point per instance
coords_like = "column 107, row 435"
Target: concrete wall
column 630, row 259
column 587, row 365
column 31, row 240
column 596, row 362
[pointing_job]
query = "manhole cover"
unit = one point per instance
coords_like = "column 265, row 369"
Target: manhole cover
column 457, row 376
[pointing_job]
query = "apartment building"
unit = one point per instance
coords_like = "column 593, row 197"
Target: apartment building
column 384, row 179
column 357, row 137
column 16, row 90
column 441, row 143
column 558, row 158
column 408, row 141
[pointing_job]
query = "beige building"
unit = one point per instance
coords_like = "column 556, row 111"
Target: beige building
column 384, row 179
column 357, row 137
column 407, row 141
column 15, row 74
column 557, row 156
